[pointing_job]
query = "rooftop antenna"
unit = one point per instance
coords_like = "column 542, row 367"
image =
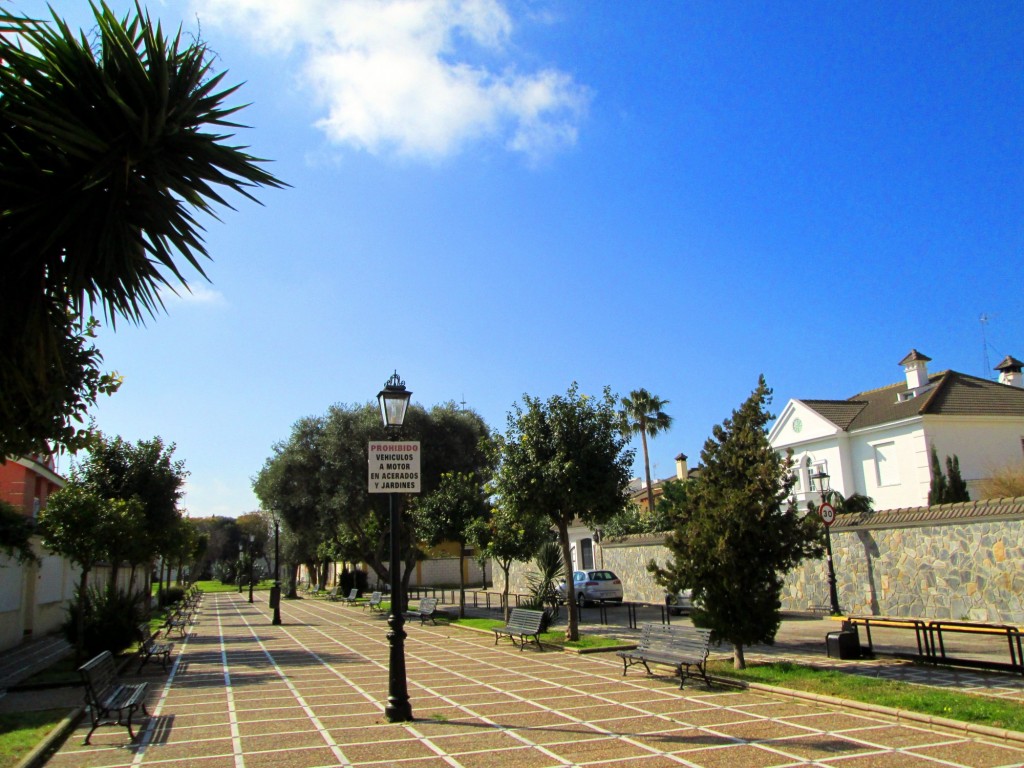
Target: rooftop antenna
column 984, row 345
column 463, row 402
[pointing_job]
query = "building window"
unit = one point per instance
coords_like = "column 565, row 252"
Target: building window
column 587, row 554
column 887, row 468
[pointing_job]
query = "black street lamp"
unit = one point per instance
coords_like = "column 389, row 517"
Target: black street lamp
column 394, row 401
column 275, row 592
column 833, row 594
column 252, row 544
column 240, row 561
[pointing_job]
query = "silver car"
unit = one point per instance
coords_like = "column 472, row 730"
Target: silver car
column 592, row 587
column 680, row 603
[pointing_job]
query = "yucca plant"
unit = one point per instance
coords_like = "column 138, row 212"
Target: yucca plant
column 109, row 146
column 544, row 583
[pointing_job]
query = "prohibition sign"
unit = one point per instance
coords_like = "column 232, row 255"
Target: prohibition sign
column 828, row 514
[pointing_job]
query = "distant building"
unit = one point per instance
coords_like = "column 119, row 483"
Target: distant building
column 34, row 596
column 638, row 488
column 878, row 443
column 26, row 483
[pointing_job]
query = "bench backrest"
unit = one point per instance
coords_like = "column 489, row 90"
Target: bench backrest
column 526, row 620
column 376, row 598
column 352, row 595
column 427, row 604
column 98, row 674
column 675, row 638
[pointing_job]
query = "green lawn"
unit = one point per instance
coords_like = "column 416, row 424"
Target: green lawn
column 554, row 637
column 20, row 732
column 984, row 710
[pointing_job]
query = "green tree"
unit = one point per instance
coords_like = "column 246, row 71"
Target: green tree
column 938, row 490
column 449, row 513
column 642, row 414
column 110, row 145
column 565, row 459
column 16, row 534
column 506, row 538
column 317, row 478
column 737, row 534
column 957, row 484
column 80, row 525
column 947, row 488
column 147, row 472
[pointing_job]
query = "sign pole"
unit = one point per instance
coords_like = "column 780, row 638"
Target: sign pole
column 828, row 516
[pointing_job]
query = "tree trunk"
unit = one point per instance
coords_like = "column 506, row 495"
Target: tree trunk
column 506, row 566
column 738, row 662
column 83, row 586
column 647, row 474
column 292, row 572
column 572, row 629
column 462, row 582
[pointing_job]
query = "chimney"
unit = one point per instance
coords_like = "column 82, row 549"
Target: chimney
column 915, row 365
column 1009, row 372
column 681, row 469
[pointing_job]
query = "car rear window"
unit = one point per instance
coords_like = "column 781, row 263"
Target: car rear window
column 603, row 576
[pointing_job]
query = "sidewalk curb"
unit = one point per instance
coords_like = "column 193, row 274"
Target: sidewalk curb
column 39, row 754
column 897, row 714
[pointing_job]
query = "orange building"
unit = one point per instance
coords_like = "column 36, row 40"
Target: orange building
column 27, row 482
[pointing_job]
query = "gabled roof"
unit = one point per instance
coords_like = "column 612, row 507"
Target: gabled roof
column 949, row 393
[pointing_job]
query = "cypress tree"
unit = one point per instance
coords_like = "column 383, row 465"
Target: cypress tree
column 957, row 486
column 938, row 492
column 736, row 532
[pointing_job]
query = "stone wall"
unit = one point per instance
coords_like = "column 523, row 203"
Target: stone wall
column 955, row 561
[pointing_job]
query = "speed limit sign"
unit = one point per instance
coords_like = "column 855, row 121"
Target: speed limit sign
column 828, row 513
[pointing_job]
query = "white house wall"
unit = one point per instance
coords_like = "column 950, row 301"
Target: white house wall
column 982, row 445
column 905, row 445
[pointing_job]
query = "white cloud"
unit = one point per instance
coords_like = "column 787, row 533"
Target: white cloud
column 196, row 293
column 413, row 77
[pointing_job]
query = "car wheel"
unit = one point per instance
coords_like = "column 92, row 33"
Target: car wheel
column 580, row 600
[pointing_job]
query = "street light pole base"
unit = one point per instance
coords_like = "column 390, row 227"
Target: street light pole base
column 398, row 712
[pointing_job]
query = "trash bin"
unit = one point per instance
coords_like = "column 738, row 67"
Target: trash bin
column 844, row 644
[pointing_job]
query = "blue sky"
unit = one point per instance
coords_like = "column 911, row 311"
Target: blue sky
column 499, row 198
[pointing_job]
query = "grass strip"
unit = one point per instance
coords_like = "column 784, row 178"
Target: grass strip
column 20, row 732
column 938, row 702
column 554, row 637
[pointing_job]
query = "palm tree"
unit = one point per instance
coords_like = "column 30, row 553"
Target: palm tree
column 641, row 413
column 106, row 157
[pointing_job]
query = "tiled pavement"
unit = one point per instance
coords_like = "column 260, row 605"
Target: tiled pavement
column 244, row 694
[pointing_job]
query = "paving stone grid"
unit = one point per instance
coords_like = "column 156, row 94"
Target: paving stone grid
column 244, row 694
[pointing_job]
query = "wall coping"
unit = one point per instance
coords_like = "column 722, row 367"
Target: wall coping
column 983, row 510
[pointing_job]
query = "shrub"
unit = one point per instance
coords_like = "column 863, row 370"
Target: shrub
column 111, row 621
column 1005, row 482
column 171, row 595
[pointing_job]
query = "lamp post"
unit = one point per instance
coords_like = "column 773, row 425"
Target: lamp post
column 394, row 401
column 275, row 592
column 252, row 544
column 239, row 567
column 823, row 508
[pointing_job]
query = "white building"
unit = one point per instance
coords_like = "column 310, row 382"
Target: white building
column 878, row 442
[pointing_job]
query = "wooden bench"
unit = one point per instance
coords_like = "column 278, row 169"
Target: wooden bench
column 427, row 609
column 374, row 602
column 680, row 646
column 522, row 623
column 919, row 627
column 1009, row 632
column 149, row 647
column 105, row 695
